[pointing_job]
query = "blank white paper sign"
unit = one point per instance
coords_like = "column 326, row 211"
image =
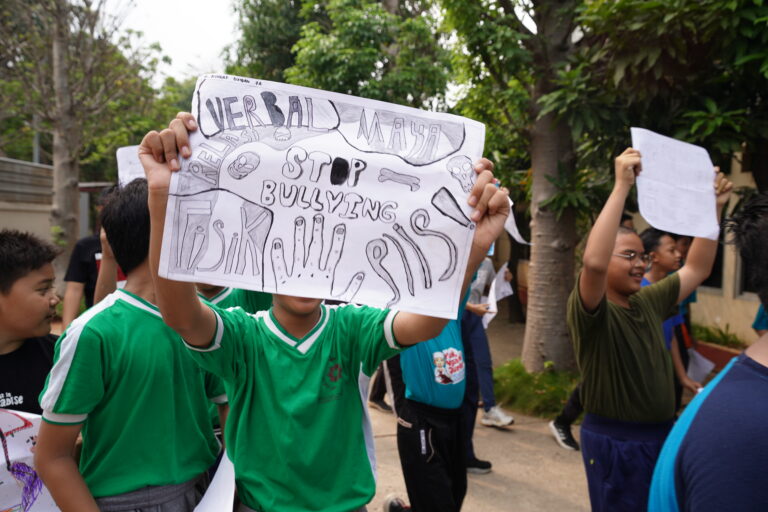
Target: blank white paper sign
column 128, row 165
column 675, row 188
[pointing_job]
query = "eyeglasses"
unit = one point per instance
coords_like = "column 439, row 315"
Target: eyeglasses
column 631, row 255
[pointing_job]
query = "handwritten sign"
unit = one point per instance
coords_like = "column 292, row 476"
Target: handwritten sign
column 21, row 489
column 303, row 192
column 675, row 188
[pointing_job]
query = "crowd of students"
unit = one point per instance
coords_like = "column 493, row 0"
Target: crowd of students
column 141, row 380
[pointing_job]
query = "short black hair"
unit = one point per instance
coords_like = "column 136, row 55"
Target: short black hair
column 625, row 217
column 20, row 254
column 125, row 219
column 651, row 238
column 749, row 232
column 677, row 237
column 105, row 194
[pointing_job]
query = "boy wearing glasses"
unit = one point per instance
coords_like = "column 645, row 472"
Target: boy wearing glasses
column 627, row 376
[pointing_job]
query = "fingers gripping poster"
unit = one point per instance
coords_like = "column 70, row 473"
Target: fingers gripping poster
column 303, row 192
column 21, row 489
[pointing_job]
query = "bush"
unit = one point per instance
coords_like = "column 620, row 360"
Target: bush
column 718, row 336
column 540, row 394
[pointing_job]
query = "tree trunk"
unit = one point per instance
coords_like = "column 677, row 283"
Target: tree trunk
column 550, row 275
column 65, row 213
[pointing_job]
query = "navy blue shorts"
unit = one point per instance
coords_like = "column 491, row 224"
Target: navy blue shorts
column 619, row 458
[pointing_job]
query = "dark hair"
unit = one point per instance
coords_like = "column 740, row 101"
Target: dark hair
column 651, row 238
column 625, row 217
column 105, row 194
column 20, row 254
column 749, row 230
column 677, row 237
column 125, row 219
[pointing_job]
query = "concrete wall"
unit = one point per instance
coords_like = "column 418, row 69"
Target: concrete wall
column 26, row 193
column 729, row 305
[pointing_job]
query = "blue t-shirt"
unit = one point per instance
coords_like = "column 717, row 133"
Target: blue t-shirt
column 761, row 319
column 688, row 300
column 715, row 456
column 433, row 370
column 670, row 323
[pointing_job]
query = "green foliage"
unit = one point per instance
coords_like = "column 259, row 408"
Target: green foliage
column 580, row 190
column 108, row 72
column 718, row 336
column 495, row 71
column 58, row 237
column 540, row 394
column 133, row 118
column 269, row 29
column 364, row 50
column 680, row 81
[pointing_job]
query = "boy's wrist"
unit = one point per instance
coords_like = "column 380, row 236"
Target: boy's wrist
column 621, row 187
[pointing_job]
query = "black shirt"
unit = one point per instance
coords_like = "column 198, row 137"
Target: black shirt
column 23, row 373
column 82, row 265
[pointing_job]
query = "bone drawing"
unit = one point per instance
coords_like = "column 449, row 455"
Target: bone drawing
column 419, row 223
column 448, row 206
column 411, row 182
column 376, row 251
column 425, row 270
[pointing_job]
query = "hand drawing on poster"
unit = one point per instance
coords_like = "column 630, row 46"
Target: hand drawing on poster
column 21, row 489
column 303, row 192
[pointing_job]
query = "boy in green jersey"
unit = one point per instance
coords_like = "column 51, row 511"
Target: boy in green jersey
column 121, row 376
column 226, row 297
column 616, row 327
column 298, row 432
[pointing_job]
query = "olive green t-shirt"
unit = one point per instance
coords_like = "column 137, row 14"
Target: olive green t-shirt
column 626, row 368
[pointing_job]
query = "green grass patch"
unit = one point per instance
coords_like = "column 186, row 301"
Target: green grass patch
column 538, row 394
column 718, row 336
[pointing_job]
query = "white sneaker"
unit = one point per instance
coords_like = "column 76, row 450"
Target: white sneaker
column 495, row 417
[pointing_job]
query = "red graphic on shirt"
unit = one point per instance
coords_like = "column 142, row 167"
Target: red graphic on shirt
column 334, row 373
column 449, row 366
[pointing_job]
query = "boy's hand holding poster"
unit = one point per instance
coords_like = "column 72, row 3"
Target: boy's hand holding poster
column 304, row 192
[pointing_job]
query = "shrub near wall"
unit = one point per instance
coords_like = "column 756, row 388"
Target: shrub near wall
column 539, row 394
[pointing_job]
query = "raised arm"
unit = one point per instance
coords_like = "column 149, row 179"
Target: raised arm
column 106, row 282
column 602, row 238
column 178, row 302
column 701, row 256
column 491, row 210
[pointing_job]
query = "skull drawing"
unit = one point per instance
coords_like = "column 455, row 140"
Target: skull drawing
column 460, row 168
column 243, row 165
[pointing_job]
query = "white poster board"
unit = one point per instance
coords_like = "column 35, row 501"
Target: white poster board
column 128, row 165
column 675, row 189
column 309, row 193
column 21, row 489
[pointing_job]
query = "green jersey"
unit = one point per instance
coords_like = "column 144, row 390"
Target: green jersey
column 626, row 369
column 122, row 373
column 249, row 300
column 298, row 431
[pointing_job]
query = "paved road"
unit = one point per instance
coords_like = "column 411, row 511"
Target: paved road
column 530, row 471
